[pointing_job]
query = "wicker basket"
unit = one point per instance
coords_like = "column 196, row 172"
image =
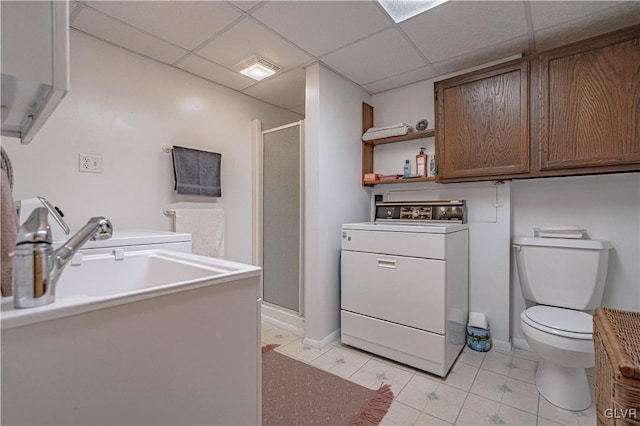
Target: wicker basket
column 617, row 348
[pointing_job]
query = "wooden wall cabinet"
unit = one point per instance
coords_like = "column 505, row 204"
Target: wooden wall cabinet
column 589, row 104
column 482, row 123
column 569, row 111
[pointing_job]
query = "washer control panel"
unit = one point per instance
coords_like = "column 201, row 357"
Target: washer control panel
column 421, row 212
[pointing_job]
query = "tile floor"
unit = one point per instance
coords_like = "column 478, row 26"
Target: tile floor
column 481, row 389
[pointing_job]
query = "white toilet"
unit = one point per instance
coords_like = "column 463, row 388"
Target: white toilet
column 564, row 277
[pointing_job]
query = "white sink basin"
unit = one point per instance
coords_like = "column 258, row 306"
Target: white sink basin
column 101, row 275
column 101, row 281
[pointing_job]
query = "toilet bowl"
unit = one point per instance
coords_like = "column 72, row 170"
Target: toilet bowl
column 564, row 277
column 563, row 339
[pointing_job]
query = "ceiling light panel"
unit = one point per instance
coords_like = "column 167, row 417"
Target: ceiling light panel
column 257, row 68
column 401, row 10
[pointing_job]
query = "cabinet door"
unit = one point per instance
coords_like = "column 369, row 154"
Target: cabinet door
column 482, row 123
column 35, row 64
column 589, row 106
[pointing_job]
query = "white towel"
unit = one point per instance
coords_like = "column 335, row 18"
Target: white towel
column 206, row 227
column 387, row 131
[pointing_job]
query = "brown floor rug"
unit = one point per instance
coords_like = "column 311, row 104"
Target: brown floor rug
column 295, row 393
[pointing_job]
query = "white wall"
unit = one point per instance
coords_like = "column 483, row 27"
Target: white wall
column 124, row 107
column 608, row 206
column 334, row 195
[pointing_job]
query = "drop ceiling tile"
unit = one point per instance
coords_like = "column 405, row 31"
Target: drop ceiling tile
column 402, row 79
column 185, row 23
column 483, row 56
column 624, row 15
column 545, row 14
column 322, row 26
column 286, row 90
column 455, row 28
column 245, row 5
column 105, row 28
column 374, row 58
column 212, row 72
column 248, row 38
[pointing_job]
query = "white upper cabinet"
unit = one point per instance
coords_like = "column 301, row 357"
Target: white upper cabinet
column 35, row 64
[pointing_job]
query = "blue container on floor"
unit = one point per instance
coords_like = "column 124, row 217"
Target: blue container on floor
column 478, row 339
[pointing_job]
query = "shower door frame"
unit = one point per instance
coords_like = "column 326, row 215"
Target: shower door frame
column 260, row 215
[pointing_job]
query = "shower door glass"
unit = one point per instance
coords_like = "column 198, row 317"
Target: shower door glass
column 282, row 216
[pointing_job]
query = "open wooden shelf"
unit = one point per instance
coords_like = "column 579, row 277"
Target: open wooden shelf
column 408, row 137
column 403, row 180
column 367, row 148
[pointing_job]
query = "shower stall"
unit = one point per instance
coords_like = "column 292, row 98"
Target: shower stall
column 280, row 223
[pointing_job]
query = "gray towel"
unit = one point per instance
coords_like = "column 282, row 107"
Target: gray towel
column 197, row 172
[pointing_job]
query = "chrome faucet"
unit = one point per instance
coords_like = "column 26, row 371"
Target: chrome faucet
column 36, row 266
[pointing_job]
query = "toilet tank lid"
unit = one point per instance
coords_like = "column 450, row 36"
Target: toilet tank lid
column 561, row 319
column 563, row 242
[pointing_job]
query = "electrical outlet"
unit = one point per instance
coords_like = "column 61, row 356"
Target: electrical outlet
column 90, row 163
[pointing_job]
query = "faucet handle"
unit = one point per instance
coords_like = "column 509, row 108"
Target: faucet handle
column 36, row 228
column 56, row 213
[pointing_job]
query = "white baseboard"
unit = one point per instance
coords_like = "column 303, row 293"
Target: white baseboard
column 282, row 319
column 319, row 344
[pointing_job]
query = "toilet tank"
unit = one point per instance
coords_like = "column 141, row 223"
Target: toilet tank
column 568, row 273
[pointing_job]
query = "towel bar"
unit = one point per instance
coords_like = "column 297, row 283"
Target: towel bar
column 167, row 148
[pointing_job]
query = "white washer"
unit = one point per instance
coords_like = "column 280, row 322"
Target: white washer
column 404, row 291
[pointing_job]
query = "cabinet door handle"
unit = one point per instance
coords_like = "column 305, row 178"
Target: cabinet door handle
column 386, row 263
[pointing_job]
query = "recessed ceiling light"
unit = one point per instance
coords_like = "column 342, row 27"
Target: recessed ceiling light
column 257, row 68
column 401, row 10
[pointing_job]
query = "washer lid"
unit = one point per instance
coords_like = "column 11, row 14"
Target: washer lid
column 561, row 319
column 392, row 226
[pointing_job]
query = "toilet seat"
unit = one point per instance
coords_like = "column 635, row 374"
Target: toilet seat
column 559, row 321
